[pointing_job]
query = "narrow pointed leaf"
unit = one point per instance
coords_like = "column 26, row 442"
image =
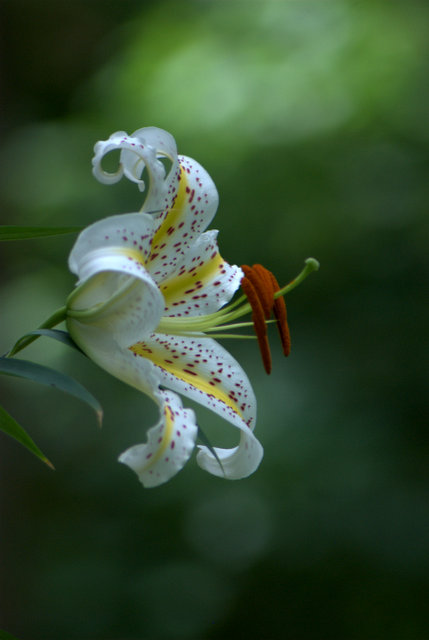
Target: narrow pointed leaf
column 206, row 442
column 56, row 334
column 17, row 232
column 10, row 426
column 4, row 635
column 51, row 378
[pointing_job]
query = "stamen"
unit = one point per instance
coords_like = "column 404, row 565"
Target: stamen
column 280, row 314
column 262, row 284
column 258, row 317
column 266, row 287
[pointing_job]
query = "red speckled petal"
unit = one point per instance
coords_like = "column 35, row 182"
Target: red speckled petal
column 204, row 282
column 130, row 232
column 202, row 370
column 178, row 228
column 171, row 441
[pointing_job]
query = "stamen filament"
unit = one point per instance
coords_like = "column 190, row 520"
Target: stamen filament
column 201, row 323
column 224, row 315
column 235, row 325
column 217, row 336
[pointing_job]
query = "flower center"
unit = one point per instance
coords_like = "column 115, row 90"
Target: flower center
column 263, row 296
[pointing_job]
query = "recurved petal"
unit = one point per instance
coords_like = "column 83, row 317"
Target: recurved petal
column 177, row 229
column 143, row 148
column 204, row 281
column 169, row 443
column 237, row 463
column 143, row 154
column 202, row 370
column 130, row 233
column 115, row 290
column 162, row 192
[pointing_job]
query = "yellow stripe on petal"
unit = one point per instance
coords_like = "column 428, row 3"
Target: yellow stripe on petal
column 134, row 254
column 190, row 282
column 169, row 443
column 166, row 438
column 210, row 387
column 172, row 219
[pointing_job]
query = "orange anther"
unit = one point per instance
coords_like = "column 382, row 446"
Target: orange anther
column 260, row 278
column 280, row 314
column 258, row 318
column 260, row 285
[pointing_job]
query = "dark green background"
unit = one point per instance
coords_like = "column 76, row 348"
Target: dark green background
column 312, row 118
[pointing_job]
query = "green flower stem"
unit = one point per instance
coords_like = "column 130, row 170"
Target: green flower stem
column 52, row 321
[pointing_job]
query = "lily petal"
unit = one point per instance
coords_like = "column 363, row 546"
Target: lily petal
column 161, row 195
column 171, row 441
column 142, row 149
column 237, row 463
column 193, row 209
column 202, row 370
column 204, row 282
column 116, row 292
column 131, row 232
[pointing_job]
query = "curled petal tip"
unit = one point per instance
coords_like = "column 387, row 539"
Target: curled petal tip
column 169, row 444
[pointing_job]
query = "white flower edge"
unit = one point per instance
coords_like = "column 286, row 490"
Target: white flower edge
column 141, row 149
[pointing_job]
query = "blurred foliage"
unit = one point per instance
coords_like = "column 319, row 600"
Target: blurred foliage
column 311, row 117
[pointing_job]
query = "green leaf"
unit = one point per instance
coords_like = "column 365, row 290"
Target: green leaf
column 51, row 378
column 16, row 232
column 56, row 334
column 4, row 635
column 204, row 440
column 10, row 426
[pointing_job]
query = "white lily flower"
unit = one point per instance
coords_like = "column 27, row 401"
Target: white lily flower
column 152, row 289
